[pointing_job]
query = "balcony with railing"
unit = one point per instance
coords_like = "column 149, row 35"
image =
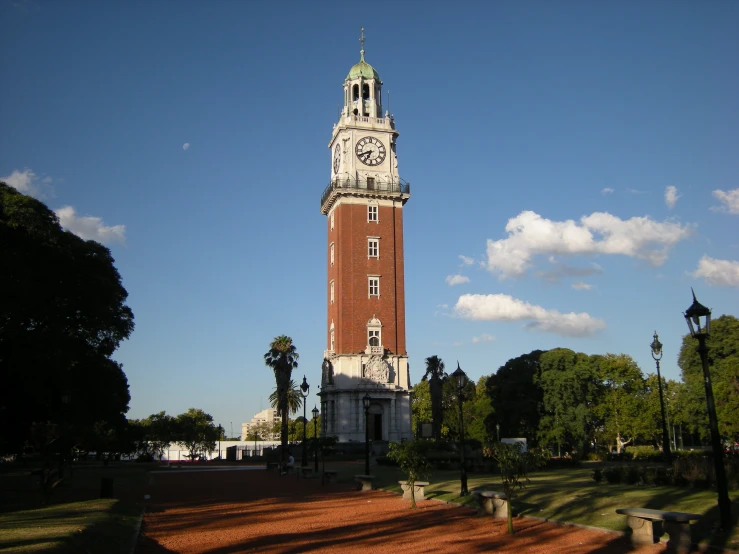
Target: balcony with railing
column 367, row 186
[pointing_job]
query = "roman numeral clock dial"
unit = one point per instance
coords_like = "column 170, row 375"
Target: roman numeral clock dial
column 370, row 151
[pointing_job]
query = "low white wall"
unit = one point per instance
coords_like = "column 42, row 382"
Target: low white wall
column 244, row 449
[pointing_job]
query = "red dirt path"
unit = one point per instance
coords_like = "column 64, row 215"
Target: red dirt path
column 259, row 511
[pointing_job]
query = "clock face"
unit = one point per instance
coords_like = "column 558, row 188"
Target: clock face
column 370, row 151
column 337, row 158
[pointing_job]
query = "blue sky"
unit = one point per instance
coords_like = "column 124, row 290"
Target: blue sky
column 573, row 166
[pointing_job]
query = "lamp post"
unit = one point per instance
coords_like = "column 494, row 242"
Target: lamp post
column 315, row 435
column 366, row 403
column 698, row 318
column 304, row 388
column 497, row 430
column 460, row 378
column 657, row 356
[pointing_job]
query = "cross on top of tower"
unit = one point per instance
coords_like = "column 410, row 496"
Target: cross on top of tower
column 361, row 39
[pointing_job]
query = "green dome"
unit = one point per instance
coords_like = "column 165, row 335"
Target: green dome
column 363, row 69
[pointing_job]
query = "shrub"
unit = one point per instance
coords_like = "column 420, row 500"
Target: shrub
column 613, row 475
column 631, row 475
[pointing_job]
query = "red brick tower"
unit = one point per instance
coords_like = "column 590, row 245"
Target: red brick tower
column 366, row 352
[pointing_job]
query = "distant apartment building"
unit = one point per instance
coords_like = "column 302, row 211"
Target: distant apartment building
column 268, row 416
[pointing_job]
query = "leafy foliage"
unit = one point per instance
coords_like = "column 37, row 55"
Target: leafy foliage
column 282, row 357
column 412, row 457
column 62, row 316
column 514, row 467
column 196, row 431
column 723, row 361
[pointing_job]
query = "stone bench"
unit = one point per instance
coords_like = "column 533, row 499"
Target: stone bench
column 365, row 481
column 646, row 527
column 492, row 503
column 332, row 475
column 417, row 490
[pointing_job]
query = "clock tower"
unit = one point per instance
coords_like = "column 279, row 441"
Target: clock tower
column 366, row 354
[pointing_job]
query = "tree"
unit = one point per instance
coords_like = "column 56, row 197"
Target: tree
column 621, row 400
column 515, row 397
column 478, row 411
column 436, row 377
column 62, row 316
column 294, row 399
column 196, row 431
column 412, row 457
column 420, row 405
column 514, row 468
column 568, row 388
column 723, row 361
column 282, row 357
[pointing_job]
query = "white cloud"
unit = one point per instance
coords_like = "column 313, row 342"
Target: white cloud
column 90, row 228
column 457, row 280
column 729, row 199
column 671, row 196
column 723, row 273
column 457, row 343
column 501, row 307
column 466, row 260
column 26, row 182
column 186, row 146
column 529, row 235
column 579, row 285
column 483, row 338
column 607, row 190
column 561, row 271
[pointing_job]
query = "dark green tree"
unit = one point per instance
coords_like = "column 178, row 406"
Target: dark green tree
column 294, row 399
column 723, row 364
column 282, row 357
column 569, row 386
column 515, row 397
column 436, row 377
column 197, row 432
column 62, row 315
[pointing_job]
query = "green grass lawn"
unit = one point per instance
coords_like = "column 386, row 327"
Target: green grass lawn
column 571, row 495
column 94, row 526
column 75, row 519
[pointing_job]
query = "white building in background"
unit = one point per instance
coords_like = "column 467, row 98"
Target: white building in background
column 265, row 416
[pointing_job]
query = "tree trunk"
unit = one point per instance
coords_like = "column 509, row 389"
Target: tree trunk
column 510, row 516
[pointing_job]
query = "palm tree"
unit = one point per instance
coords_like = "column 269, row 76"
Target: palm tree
column 294, row 399
column 282, row 358
column 435, row 370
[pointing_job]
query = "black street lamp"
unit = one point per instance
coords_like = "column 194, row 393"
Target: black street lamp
column 315, row 435
column 699, row 323
column 304, row 388
column 657, row 356
column 460, row 378
column 366, row 403
column 497, row 430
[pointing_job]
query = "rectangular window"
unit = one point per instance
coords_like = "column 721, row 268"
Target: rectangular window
column 373, row 248
column 370, row 183
column 332, row 221
column 332, row 253
column 374, row 338
column 332, row 292
column 374, row 286
column 371, row 213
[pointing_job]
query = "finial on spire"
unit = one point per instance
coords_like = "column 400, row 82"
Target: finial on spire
column 361, row 39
